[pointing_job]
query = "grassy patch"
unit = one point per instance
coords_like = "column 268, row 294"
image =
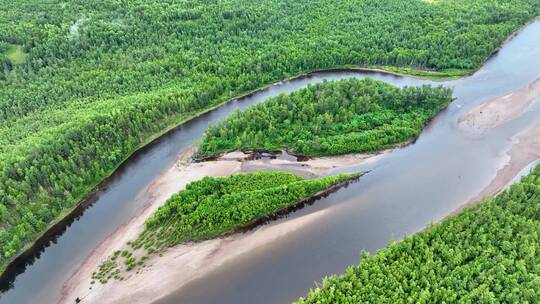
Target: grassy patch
column 16, row 54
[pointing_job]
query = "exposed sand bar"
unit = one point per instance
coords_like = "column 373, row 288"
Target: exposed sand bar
column 525, row 150
column 499, row 110
column 186, row 262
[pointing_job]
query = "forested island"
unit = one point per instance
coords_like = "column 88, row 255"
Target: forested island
column 83, row 84
column 330, row 118
column 488, row 253
column 211, row 207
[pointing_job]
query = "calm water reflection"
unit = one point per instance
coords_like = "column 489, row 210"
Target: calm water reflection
column 405, row 191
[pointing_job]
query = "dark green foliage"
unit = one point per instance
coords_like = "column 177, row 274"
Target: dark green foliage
column 100, row 77
column 213, row 206
column 333, row 117
column 489, row 253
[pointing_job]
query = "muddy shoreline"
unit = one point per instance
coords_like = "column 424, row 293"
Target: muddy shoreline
column 524, row 150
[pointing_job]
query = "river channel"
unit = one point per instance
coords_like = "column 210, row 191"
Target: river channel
column 405, row 190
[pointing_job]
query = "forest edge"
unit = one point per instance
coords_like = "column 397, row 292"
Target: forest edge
column 85, row 200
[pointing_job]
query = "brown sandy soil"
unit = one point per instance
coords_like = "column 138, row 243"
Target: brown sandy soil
column 313, row 167
column 184, row 263
column 497, row 111
column 173, row 180
column 525, row 149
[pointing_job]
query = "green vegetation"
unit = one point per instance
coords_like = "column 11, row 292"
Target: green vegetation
column 489, row 253
column 15, row 54
column 333, row 117
column 102, row 77
column 214, row 206
column 430, row 74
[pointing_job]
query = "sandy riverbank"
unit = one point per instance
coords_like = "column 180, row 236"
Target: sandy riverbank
column 183, row 263
column 525, row 149
column 313, row 167
column 499, row 110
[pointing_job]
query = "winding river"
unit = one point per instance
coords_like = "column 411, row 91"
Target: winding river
column 406, row 190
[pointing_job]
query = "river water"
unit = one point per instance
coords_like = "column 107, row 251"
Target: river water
column 405, row 191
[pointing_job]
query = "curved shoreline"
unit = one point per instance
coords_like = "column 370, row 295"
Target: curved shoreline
column 280, row 213
column 523, row 151
column 32, row 249
column 173, row 180
column 499, row 110
column 179, row 269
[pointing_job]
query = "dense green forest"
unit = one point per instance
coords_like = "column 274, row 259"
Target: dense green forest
column 488, row 253
column 84, row 83
column 333, row 117
column 213, row 206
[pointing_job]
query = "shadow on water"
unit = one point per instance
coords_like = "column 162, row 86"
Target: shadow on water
column 388, row 203
column 27, row 258
column 49, row 262
column 51, row 236
column 405, row 191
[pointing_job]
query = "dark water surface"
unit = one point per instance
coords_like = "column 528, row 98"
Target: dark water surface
column 406, row 190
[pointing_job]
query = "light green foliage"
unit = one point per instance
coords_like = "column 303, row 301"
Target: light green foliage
column 333, row 117
column 445, row 74
column 213, row 206
column 101, row 77
column 15, row 54
column 489, row 253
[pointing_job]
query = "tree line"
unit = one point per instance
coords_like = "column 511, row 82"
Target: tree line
column 332, row 117
column 488, row 253
column 209, row 207
column 100, row 77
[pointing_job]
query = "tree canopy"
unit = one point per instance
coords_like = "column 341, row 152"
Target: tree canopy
column 84, row 83
column 488, row 253
column 213, row 206
column 333, row 117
